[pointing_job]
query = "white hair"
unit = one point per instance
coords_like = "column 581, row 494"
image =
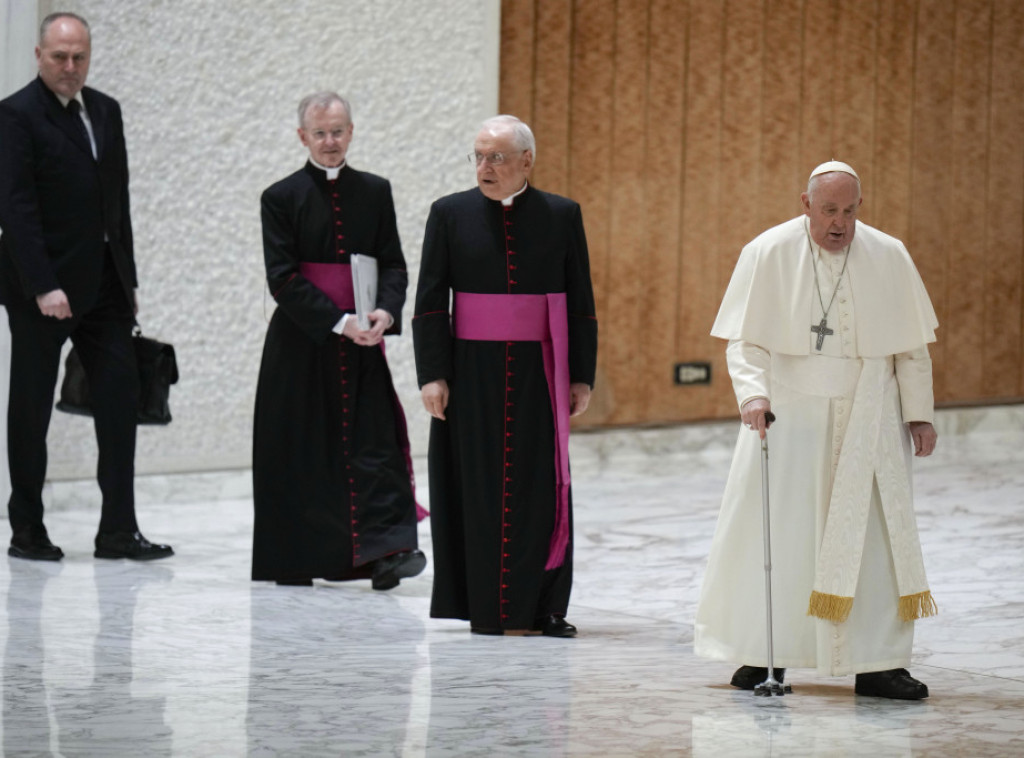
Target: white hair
column 323, row 99
column 815, row 179
column 522, row 136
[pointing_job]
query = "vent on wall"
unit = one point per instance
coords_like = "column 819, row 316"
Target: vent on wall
column 693, row 373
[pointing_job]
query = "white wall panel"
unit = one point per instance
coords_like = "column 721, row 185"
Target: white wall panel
column 209, row 92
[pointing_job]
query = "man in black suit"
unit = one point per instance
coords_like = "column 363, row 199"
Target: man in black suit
column 67, row 270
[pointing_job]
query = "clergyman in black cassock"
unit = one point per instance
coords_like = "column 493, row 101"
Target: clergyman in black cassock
column 493, row 501
column 332, row 482
column 67, row 270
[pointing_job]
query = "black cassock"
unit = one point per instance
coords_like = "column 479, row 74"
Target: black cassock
column 491, row 463
column 331, row 486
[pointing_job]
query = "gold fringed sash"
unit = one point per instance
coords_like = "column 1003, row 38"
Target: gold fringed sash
column 873, row 451
column 837, row 609
column 917, row 606
column 829, row 607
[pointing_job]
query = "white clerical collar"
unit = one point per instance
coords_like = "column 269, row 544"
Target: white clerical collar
column 332, row 172
column 508, row 200
column 65, row 100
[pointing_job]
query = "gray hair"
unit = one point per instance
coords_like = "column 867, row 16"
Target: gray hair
column 44, row 27
column 813, row 182
column 323, row 99
column 522, row 137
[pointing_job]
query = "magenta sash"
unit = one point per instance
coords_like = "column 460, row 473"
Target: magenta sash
column 335, row 281
column 531, row 318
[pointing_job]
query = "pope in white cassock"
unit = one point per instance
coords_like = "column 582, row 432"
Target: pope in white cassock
column 828, row 324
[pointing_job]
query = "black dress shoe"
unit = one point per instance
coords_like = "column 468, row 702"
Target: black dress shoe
column 294, row 582
column 748, row 677
column 896, row 684
column 33, row 544
column 131, row 545
column 554, row 626
column 389, row 570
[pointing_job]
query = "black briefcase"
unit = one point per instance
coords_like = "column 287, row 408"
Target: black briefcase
column 158, row 370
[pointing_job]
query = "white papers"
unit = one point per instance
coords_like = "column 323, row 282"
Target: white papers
column 364, row 284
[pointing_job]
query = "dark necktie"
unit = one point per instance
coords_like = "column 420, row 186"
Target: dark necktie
column 75, row 110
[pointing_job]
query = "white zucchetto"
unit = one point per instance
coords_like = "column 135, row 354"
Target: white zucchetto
column 829, row 166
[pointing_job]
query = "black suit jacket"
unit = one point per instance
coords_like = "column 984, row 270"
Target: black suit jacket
column 58, row 203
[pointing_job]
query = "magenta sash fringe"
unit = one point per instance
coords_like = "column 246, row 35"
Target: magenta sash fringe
column 531, row 318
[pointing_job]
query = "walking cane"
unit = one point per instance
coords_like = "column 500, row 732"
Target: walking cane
column 769, row 686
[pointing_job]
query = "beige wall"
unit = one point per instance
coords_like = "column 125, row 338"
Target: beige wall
column 685, row 128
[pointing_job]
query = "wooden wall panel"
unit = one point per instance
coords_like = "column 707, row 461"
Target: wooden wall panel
column 964, row 335
column 705, row 264
column 889, row 193
column 853, row 132
column 592, row 95
column 517, row 59
column 553, row 76
column 686, row 127
column 628, row 243
column 818, row 85
column 1003, row 355
column 931, row 178
column 663, row 168
column 741, row 103
column 780, row 171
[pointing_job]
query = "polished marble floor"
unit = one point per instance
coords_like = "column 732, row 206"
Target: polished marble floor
column 187, row 657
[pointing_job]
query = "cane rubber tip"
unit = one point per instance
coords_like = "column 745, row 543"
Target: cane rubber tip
column 769, row 688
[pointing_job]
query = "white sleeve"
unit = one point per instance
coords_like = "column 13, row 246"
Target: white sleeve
column 914, row 375
column 339, row 328
column 750, row 370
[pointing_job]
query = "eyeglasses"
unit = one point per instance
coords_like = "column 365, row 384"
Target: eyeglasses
column 495, row 159
column 320, row 135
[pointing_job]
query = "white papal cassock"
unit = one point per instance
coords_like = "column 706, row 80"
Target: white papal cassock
column 844, row 536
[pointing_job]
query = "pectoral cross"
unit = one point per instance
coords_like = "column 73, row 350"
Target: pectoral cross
column 822, row 331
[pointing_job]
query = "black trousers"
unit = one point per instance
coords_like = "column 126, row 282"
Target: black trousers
column 103, row 339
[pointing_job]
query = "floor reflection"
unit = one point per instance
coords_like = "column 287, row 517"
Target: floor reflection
column 97, row 709
column 110, row 715
column 331, row 667
column 26, row 710
column 778, row 728
column 489, row 696
column 188, row 657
